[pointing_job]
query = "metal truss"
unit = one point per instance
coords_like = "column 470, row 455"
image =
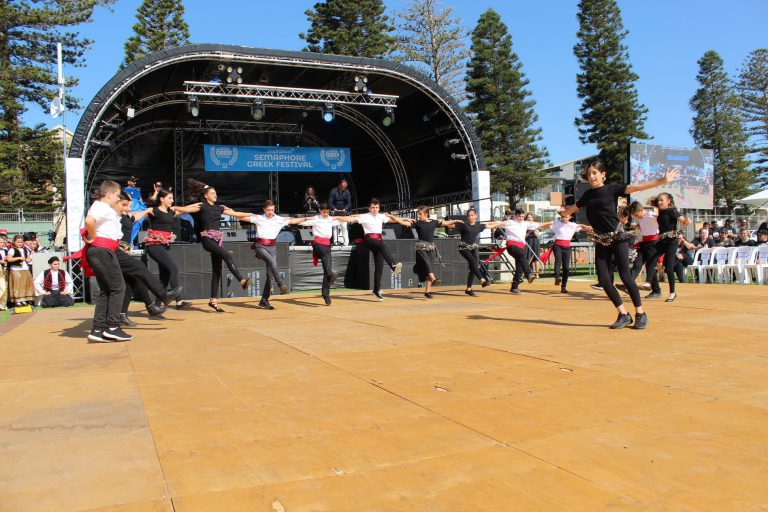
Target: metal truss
column 281, row 95
column 178, row 165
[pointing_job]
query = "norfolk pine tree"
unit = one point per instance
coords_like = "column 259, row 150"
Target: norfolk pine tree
column 753, row 89
column 502, row 111
column 160, row 26
column 611, row 115
column 349, row 27
column 431, row 37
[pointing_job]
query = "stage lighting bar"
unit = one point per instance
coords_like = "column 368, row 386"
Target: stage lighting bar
column 361, row 84
column 273, row 94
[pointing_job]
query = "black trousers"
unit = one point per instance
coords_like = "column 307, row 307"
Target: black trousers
column 474, row 268
column 268, row 254
column 380, row 255
column 667, row 248
column 645, row 253
column 57, row 300
column 562, row 260
column 618, row 254
column 219, row 255
column 323, row 253
column 111, row 287
column 138, row 279
column 521, row 264
column 169, row 272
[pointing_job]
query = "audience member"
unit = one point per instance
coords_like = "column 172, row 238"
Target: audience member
column 54, row 285
column 3, row 280
column 744, row 238
column 703, row 240
column 311, row 204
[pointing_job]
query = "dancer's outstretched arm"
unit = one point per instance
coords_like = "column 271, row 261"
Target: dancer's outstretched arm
column 669, row 176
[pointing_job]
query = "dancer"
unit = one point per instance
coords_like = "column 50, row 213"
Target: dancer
column 21, row 289
column 137, row 276
column 649, row 230
column 601, row 202
column 103, row 233
column 515, row 229
column 212, row 238
column 268, row 225
column 54, row 286
column 322, row 230
column 373, row 223
column 426, row 250
column 668, row 244
column 160, row 236
column 469, row 231
column 564, row 230
column 533, row 241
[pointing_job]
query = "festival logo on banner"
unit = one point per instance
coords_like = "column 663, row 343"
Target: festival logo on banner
column 223, row 156
column 332, row 158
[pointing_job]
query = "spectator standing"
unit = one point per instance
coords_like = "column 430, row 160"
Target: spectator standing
column 20, row 288
column 54, row 285
column 311, row 204
column 340, row 201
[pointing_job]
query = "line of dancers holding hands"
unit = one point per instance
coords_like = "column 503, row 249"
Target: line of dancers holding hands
column 109, row 222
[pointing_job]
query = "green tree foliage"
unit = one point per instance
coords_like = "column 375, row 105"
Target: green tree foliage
column 753, row 89
column 31, row 173
column 160, row 26
column 349, row 27
column 717, row 126
column 502, row 111
column 432, row 38
column 611, row 115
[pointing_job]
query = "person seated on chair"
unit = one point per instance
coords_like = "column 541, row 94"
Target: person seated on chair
column 703, row 240
column 744, row 239
column 762, row 236
column 54, row 285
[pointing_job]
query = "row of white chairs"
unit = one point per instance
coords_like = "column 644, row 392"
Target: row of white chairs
column 730, row 265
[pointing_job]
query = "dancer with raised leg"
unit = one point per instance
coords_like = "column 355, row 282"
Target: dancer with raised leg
column 515, row 230
column 564, row 231
column 469, row 231
column 212, row 238
column 668, row 239
column 601, row 202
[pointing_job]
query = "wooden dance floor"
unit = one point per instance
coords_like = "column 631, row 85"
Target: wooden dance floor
column 497, row 403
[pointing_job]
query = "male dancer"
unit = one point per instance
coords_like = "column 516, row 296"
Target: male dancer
column 649, row 230
column 515, row 230
column 564, row 231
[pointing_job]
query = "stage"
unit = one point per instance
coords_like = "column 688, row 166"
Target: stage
column 494, row 403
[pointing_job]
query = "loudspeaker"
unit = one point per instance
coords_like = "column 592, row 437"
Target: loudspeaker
column 388, row 234
column 306, row 235
column 235, row 236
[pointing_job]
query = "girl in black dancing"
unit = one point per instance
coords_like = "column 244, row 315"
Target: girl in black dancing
column 469, row 231
column 426, row 250
column 160, row 236
column 601, row 202
column 212, row 238
column 667, row 243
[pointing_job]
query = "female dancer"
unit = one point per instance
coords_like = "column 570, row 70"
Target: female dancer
column 160, row 236
column 268, row 225
column 668, row 243
column 469, row 231
column 564, row 230
column 532, row 240
column 601, row 202
column 322, row 229
column 425, row 246
column 21, row 289
column 212, row 238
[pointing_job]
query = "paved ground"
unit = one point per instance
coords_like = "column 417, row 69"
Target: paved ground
column 497, row 403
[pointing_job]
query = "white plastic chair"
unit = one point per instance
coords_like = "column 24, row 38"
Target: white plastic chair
column 760, row 265
column 736, row 269
column 701, row 260
column 724, row 256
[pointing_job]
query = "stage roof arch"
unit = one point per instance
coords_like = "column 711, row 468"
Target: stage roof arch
column 139, row 124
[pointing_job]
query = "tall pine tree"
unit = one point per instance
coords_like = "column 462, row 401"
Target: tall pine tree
column 432, row 38
column 160, row 26
column 717, row 126
column 611, row 115
column 753, row 89
column 502, row 111
column 349, row 27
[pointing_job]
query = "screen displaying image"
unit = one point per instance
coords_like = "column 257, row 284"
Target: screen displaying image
column 694, row 189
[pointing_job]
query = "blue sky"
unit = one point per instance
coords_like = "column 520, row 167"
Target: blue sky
column 665, row 40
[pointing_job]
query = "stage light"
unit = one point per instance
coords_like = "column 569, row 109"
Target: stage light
column 361, row 84
column 444, row 129
column 388, row 118
column 328, row 114
column 459, row 156
column 451, row 142
column 428, row 117
column 233, row 75
column 112, row 127
column 108, row 144
column 257, row 110
column 193, row 106
column 130, row 112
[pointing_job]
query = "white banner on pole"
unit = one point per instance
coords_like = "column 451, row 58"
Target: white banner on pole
column 481, row 194
column 75, row 187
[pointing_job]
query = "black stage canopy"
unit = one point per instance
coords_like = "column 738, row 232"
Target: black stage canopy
column 140, row 124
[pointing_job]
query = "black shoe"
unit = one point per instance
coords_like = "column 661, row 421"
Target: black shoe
column 246, row 283
column 327, row 299
column 378, row 294
column 558, row 281
column 641, row 320
column 532, row 278
column 96, row 336
column 596, row 287
column 215, row 306
column 124, row 320
column 485, row 283
column 435, row 282
column 428, row 295
column 116, row 334
column 332, row 278
column 471, row 293
column 653, row 295
column 182, row 304
column 622, row 288
column 171, row 295
column 515, row 291
column 156, row 309
column 265, row 305
column 563, row 290
column 671, row 298
column 622, row 321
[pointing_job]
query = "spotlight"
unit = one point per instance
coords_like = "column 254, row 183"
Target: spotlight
column 112, row 127
column 428, row 117
column 130, row 112
column 107, row 144
column 233, row 75
column 257, row 110
column 459, row 156
column 361, row 84
column 444, row 129
column 388, row 118
column 451, row 142
column 193, row 106
column 328, row 114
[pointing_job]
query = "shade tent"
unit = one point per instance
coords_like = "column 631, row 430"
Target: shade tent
column 759, row 199
column 140, row 124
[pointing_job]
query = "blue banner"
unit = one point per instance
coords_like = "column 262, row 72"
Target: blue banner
column 276, row 159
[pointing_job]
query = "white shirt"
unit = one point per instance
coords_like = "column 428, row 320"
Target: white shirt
column 649, row 225
column 372, row 223
column 54, row 282
column 268, row 227
column 515, row 231
column 107, row 221
column 565, row 231
column 322, row 227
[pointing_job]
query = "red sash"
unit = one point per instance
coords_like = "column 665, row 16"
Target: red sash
column 563, row 243
column 319, row 241
column 104, row 243
column 497, row 252
column 375, row 236
column 265, row 241
column 650, row 238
